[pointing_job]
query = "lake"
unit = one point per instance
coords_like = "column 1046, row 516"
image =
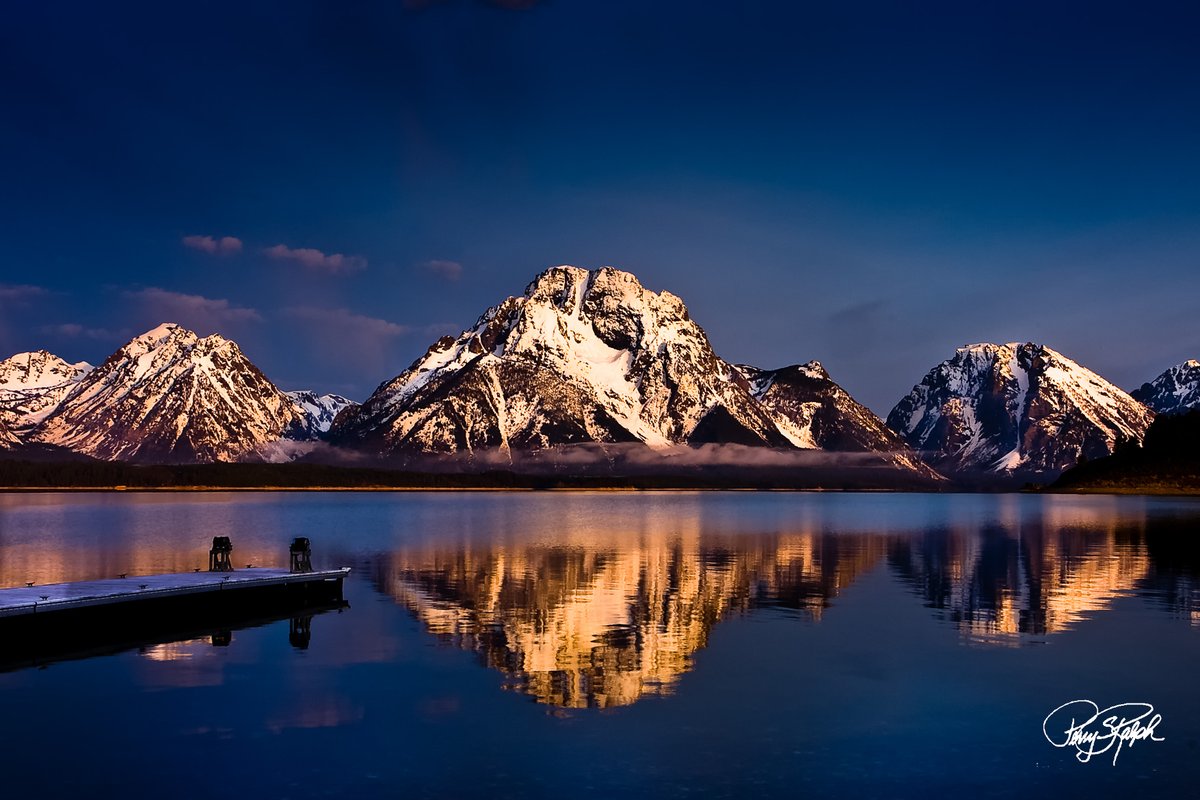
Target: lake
column 555, row 644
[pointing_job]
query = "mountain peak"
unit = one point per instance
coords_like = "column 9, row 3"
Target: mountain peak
column 163, row 331
column 32, row 385
column 815, row 412
column 582, row 356
column 1175, row 391
column 168, row 395
column 38, row 369
column 157, row 337
column 1015, row 408
column 318, row 410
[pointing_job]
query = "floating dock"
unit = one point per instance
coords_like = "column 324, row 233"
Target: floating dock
column 135, row 592
column 37, row 619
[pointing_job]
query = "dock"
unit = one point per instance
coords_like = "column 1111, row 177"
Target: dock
column 41, row 619
column 136, row 590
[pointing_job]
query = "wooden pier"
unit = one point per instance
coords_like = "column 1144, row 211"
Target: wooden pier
column 134, row 591
column 36, row 619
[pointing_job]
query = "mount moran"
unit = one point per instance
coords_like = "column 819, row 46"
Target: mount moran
column 583, row 358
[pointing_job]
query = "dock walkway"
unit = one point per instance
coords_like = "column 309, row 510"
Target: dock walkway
column 134, row 589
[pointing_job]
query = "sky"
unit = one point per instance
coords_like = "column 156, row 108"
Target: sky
column 336, row 185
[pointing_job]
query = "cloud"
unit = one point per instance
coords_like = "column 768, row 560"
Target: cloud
column 73, row 330
column 311, row 258
column 19, row 292
column 345, row 321
column 448, row 270
column 191, row 310
column 226, row 245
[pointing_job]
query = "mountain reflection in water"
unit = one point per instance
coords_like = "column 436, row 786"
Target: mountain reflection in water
column 603, row 619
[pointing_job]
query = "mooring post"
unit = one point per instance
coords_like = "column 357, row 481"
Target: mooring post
column 219, row 555
column 301, row 555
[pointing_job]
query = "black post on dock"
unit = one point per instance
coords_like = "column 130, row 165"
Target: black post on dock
column 301, row 555
column 219, row 555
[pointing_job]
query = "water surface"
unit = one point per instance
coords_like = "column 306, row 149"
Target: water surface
column 633, row 644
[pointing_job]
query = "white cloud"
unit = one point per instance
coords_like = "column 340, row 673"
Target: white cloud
column 191, row 310
column 345, row 321
column 9, row 291
column 73, row 330
column 449, row 270
column 316, row 260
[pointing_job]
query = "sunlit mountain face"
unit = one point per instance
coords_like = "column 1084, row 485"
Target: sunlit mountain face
column 602, row 620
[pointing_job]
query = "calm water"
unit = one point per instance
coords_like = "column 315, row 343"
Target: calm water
column 604, row 645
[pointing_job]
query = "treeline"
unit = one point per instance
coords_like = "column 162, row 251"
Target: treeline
column 110, row 474
column 1168, row 461
column 90, row 474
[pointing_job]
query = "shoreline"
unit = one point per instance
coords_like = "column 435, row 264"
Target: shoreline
column 202, row 489
column 375, row 489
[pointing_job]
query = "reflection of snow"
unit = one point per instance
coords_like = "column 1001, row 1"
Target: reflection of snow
column 606, row 623
column 174, row 651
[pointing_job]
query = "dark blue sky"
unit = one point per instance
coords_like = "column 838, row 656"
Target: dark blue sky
column 869, row 184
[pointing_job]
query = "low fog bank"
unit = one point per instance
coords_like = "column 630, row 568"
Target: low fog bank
column 708, row 464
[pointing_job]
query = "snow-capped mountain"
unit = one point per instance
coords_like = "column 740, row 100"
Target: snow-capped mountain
column 31, row 387
column 580, row 357
column 319, row 410
column 1015, row 408
column 169, row 395
column 1175, row 391
column 813, row 411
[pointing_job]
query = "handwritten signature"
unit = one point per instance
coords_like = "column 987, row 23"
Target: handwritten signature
column 1082, row 725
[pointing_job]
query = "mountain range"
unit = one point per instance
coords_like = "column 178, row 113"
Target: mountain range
column 589, row 360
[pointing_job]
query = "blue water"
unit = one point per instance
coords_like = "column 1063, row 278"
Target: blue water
column 623, row 644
